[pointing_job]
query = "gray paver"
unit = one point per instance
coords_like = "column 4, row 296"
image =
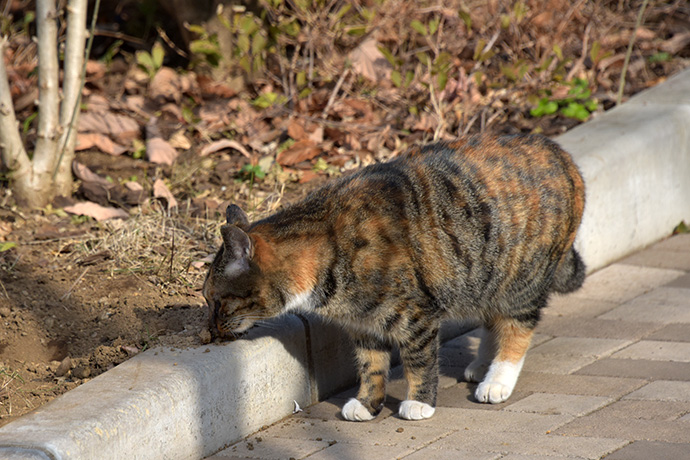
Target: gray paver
column 663, row 390
column 682, row 282
column 638, row 368
column 620, row 283
column 580, row 346
column 558, row 404
column 659, row 258
column 672, row 332
column 572, row 306
column 273, row 448
column 349, row 451
column 573, row 384
column 629, row 409
column 595, row 328
column 647, row 450
column 556, row 364
column 663, row 305
column 609, row 426
column 433, row 453
column 533, row 444
column 656, row 351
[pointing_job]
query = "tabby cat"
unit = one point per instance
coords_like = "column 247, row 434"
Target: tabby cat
column 480, row 228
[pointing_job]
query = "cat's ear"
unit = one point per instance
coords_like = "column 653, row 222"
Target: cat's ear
column 235, row 216
column 237, row 250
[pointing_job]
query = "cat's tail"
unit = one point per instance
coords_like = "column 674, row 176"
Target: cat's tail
column 570, row 274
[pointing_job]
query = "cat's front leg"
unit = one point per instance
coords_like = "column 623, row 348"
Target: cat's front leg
column 420, row 363
column 373, row 357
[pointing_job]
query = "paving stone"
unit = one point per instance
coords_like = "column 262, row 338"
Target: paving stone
column 662, row 305
column 638, row 368
column 610, row 426
column 629, row 409
column 595, row 327
column 558, row 404
column 580, row 346
column 273, row 448
column 620, row 283
column 371, row 433
column 555, row 364
column 656, row 351
column 648, row 450
column 675, row 243
column 456, row 419
column 659, row 258
column 461, row 395
column 534, row 444
column 662, row 390
column 683, row 282
column 685, row 418
column 539, row 457
column 574, row 384
column 672, row 333
column 572, row 306
column 357, row 451
column 430, row 452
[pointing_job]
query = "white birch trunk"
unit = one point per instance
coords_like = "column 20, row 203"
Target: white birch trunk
column 71, row 89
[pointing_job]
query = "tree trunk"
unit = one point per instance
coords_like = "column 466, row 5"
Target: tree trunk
column 71, row 88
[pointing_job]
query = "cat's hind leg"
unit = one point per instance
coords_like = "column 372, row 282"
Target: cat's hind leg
column 512, row 339
column 476, row 370
column 373, row 357
column 420, row 364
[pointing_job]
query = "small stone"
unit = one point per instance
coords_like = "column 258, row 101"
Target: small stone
column 5, row 312
column 205, row 336
column 400, row 430
column 64, row 367
column 81, row 372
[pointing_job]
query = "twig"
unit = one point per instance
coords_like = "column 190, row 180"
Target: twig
column 578, row 64
column 69, row 292
column 172, row 254
column 621, row 86
column 4, row 290
column 334, row 93
column 170, row 43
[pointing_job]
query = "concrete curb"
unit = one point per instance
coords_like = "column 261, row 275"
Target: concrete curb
column 186, row 404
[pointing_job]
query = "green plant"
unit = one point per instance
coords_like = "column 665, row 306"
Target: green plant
column 151, row 62
column 578, row 103
column 251, row 172
column 7, row 245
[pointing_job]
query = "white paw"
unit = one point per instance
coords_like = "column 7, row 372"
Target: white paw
column 355, row 411
column 415, row 410
column 493, row 392
column 476, row 371
column 499, row 382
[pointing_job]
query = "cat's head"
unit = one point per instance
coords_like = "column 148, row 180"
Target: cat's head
column 233, row 284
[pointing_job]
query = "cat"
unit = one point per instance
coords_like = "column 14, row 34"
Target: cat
column 480, row 228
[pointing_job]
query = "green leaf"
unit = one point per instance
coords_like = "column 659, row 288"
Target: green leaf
column 433, row 25
column 419, row 27
column 559, row 52
column 396, row 78
column 544, row 107
column 258, row 44
column 389, row 56
column 466, row 18
column 145, row 60
column 575, row 110
column 661, row 56
column 7, row 245
column 157, row 55
column 342, row 12
column 424, row 59
column 681, row 228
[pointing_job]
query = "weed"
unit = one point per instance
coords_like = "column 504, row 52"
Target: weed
column 151, row 62
column 577, row 104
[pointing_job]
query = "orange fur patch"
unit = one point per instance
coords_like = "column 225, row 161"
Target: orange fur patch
column 513, row 340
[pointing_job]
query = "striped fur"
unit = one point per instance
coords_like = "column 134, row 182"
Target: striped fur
column 480, row 228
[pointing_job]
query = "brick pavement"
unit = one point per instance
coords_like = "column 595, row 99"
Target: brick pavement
column 608, row 376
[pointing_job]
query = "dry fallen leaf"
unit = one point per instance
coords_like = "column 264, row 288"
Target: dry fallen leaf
column 120, row 127
column 85, row 174
column 300, row 151
column 160, row 152
column 101, row 142
column 369, row 62
column 98, row 212
column 224, row 144
column 160, row 190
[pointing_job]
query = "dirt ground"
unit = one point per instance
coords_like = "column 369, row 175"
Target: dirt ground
column 79, row 296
